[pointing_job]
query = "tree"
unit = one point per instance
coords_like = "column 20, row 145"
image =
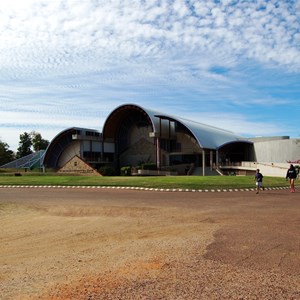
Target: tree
column 25, row 144
column 38, row 143
column 31, row 140
column 6, row 155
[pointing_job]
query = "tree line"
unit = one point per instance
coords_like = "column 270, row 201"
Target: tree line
column 29, row 143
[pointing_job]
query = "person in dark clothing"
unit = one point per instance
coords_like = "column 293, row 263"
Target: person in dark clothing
column 258, row 178
column 291, row 174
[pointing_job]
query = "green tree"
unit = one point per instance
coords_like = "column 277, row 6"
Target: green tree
column 6, row 155
column 25, row 144
column 38, row 143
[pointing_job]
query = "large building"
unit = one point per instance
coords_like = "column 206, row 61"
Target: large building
column 133, row 135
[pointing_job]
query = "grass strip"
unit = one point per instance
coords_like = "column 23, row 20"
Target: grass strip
column 165, row 182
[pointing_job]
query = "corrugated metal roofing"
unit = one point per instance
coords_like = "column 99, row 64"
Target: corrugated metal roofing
column 208, row 137
column 33, row 160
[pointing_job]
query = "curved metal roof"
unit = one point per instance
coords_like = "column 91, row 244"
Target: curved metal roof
column 113, row 120
column 208, row 137
column 58, row 143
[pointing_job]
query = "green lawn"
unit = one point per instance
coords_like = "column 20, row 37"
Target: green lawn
column 167, row 182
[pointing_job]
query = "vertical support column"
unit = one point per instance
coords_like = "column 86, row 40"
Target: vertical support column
column 91, row 151
column 158, row 155
column 211, row 159
column 158, row 163
column 203, row 162
column 81, row 149
column 102, row 150
column 217, row 159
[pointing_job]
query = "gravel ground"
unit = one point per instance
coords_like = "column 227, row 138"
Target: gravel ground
column 116, row 244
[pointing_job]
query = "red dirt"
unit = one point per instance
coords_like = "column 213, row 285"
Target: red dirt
column 117, row 244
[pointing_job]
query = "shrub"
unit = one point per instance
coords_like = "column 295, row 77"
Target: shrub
column 126, row 171
column 148, row 166
column 107, row 171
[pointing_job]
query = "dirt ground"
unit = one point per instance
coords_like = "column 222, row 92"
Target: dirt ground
column 129, row 244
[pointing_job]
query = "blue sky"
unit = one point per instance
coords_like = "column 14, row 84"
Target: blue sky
column 231, row 64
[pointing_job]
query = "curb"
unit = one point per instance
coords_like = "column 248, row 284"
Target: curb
column 140, row 188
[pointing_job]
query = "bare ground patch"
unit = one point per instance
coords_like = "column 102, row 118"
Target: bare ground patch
column 148, row 245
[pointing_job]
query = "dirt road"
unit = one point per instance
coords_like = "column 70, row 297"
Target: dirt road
column 116, row 244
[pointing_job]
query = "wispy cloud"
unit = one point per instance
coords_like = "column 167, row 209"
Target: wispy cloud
column 60, row 34
column 73, row 58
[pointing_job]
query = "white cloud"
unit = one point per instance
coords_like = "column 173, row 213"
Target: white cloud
column 43, row 29
column 239, row 124
column 57, row 55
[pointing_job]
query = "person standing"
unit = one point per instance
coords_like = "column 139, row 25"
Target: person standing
column 291, row 174
column 258, row 178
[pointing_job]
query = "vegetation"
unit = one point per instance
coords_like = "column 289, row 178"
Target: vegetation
column 24, row 145
column 125, row 171
column 166, row 182
column 29, row 141
column 38, row 143
column 6, row 155
column 149, row 166
column 107, row 171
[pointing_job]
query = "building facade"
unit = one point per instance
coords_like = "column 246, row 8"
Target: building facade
column 133, row 135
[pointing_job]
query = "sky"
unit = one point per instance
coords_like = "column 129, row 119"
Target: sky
column 230, row 64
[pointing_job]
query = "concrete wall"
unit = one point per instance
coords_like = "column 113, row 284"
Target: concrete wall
column 188, row 144
column 69, row 152
column 141, row 148
column 277, row 151
column 266, row 168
